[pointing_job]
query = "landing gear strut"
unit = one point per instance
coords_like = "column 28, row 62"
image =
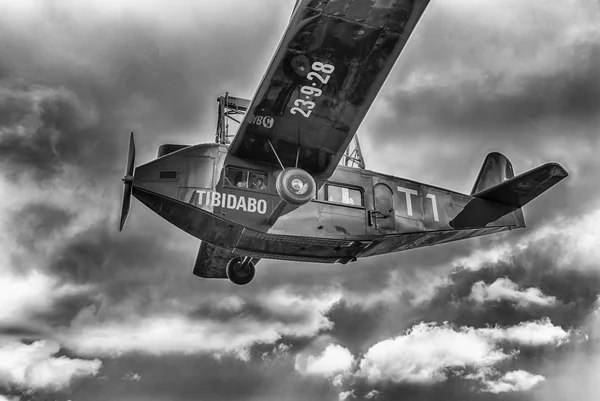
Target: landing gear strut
column 240, row 270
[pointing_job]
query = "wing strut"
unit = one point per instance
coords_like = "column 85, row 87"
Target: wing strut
column 353, row 156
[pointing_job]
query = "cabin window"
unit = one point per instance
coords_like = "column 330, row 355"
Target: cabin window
column 242, row 178
column 345, row 195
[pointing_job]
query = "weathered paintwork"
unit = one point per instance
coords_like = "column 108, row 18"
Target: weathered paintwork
column 320, row 230
column 313, row 118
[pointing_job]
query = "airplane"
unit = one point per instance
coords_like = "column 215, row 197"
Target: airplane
column 280, row 189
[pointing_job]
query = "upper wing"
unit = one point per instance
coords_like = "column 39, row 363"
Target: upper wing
column 330, row 64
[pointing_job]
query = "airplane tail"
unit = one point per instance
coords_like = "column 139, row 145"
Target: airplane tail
column 495, row 170
column 496, row 181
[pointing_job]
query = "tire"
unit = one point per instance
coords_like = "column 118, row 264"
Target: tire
column 240, row 276
column 295, row 186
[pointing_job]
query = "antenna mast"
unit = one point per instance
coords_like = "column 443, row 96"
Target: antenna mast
column 229, row 106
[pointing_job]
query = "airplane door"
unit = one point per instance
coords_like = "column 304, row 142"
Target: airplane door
column 383, row 215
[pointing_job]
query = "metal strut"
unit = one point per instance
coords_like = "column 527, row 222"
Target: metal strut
column 228, row 106
column 353, row 156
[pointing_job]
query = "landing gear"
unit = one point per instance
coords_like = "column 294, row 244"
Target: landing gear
column 295, row 186
column 240, row 270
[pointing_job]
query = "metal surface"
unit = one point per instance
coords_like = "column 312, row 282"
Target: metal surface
column 318, row 107
column 227, row 197
column 303, row 235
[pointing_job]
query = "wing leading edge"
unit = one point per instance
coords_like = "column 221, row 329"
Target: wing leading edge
column 329, row 66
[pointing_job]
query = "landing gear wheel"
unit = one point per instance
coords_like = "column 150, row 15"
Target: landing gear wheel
column 295, row 186
column 240, row 275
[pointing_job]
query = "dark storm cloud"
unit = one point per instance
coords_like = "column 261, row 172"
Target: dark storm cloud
column 355, row 325
column 39, row 221
column 45, row 130
column 576, row 291
column 122, row 266
column 572, row 93
column 113, row 77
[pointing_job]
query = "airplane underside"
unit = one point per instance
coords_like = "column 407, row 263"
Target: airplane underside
column 247, row 242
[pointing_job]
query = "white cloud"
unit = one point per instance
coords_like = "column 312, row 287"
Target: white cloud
column 5, row 398
column 32, row 366
column 517, row 380
column 169, row 334
column 345, row 395
column 23, row 296
column 422, row 354
column 480, row 258
column 334, row 360
column 289, row 315
column 372, row 394
column 533, row 333
column 505, row 289
column 305, row 314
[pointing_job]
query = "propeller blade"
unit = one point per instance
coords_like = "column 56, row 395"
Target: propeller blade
column 126, row 205
column 128, row 181
column 130, row 156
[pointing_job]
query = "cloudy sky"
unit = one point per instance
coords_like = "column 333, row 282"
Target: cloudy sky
column 87, row 313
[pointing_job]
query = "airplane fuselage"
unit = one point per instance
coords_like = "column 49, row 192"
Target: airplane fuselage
column 356, row 212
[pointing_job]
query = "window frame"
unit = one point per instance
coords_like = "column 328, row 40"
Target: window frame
column 249, row 171
column 325, row 192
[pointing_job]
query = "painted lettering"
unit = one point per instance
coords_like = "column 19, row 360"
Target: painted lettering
column 200, row 196
column 262, row 206
column 241, row 204
column 230, row 201
column 252, row 205
column 408, row 193
column 268, row 122
column 216, row 199
column 265, row 121
column 434, row 204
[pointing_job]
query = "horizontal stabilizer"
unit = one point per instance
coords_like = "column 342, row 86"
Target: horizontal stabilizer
column 521, row 189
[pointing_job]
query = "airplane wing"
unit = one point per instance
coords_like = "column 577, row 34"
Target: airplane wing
column 328, row 68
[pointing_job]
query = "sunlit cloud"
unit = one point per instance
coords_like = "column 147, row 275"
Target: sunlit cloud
column 517, row 380
column 505, row 289
column 33, row 366
column 425, row 352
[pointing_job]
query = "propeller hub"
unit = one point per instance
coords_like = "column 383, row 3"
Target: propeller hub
column 128, row 179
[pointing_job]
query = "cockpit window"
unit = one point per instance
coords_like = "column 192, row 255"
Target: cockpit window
column 242, row 178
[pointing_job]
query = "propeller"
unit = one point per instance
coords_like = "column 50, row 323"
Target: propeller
column 128, row 183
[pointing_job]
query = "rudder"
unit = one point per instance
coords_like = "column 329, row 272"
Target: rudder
column 495, row 170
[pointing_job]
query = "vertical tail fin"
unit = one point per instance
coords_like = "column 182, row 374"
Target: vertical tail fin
column 495, row 170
